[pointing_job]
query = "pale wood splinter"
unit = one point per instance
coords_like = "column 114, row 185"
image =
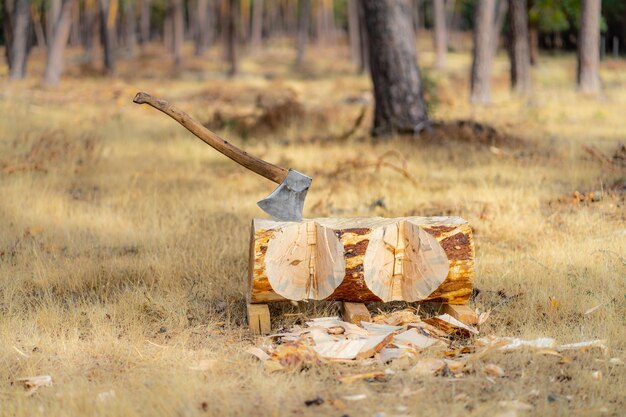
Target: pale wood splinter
column 259, row 319
column 355, row 313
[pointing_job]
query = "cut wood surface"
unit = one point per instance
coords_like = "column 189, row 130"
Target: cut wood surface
column 422, row 273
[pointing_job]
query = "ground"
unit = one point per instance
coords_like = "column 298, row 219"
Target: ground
column 123, row 240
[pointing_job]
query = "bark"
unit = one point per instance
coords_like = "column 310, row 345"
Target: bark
column 483, row 52
column 18, row 49
column 355, row 260
column 589, row 47
column 519, row 47
column 304, row 17
column 230, row 38
column 90, row 21
column 56, row 44
column 144, row 22
column 400, row 106
column 201, row 27
column 364, row 45
column 108, row 15
column 441, row 35
column 533, row 38
column 178, row 31
column 52, row 14
column 257, row 24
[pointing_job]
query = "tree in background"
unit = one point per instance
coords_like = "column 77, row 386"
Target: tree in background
column 441, row 35
column 400, row 105
column 16, row 19
column 519, row 47
column 256, row 31
column 304, row 16
column 230, row 18
column 480, row 82
column 589, row 47
column 108, row 31
column 59, row 33
column 178, row 30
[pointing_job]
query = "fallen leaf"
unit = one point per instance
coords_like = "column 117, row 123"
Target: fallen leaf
column 553, row 304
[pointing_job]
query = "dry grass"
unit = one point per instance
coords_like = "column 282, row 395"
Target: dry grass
column 123, row 240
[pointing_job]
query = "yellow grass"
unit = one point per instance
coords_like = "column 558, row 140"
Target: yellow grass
column 123, row 241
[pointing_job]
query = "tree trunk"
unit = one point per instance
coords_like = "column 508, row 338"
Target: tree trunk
column 178, row 31
column 230, row 36
column 144, row 22
column 354, row 32
column 363, row 44
column 441, row 35
column 362, row 260
column 130, row 27
column 257, row 24
column 589, row 47
column 519, row 48
column 304, row 17
column 38, row 26
column 90, row 22
column 52, row 15
column 498, row 23
column 397, row 85
column 201, row 15
column 108, row 15
column 483, row 52
column 56, row 44
column 18, row 50
column 533, row 39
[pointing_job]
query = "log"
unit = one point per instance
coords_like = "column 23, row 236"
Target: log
column 362, row 260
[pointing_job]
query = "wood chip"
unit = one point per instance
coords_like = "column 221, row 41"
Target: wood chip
column 586, row 345
column 373, row 345
column 592, row 309
column 258, row 353
column 380, row 328
column 33, row 383
column 350, row 379
column 450, row 325
column 428, row 366
column 494, row 370
column 414, row 338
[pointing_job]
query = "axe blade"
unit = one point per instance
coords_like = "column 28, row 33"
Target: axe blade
column 287, row 200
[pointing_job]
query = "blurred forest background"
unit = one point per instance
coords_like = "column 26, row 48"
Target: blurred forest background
column 124, row 240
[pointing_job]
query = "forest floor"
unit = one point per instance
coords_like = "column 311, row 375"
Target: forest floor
column 123, row 239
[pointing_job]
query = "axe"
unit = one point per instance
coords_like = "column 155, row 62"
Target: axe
column 287, row 200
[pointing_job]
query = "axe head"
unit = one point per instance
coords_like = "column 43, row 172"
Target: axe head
column 287, row 200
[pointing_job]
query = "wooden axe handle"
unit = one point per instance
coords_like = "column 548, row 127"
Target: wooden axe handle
column 265, row 169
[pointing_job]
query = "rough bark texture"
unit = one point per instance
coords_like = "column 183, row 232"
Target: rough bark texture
column 397, row 86
column 441, row 35
column 304, row 16
column 56, row 44
column 519, row 48
column 453, row 234
column 108, row 13
column 18, row 50
column 364, row 44
column 589, row 47
column 498, row 23
column 354, row 32
column 483, row 52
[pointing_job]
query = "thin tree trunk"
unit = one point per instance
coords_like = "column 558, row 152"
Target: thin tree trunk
column 400, row 105
column 244, row 16
column 52, row 14
column 108, row 15
column 498, row 22
column 37, row 25
column 483, row 52
column 354, row 32
column 178, row 31
column 519, row 50
column 8, row 11
column 364, row 45
column 230, row 38
column 589, row 47
column 75, row 29
column 144, row 22
column 257, row 24
column 201, row 27
column 56, row 44
column 441, row 35
column 533, row 39
column 304, row 16
column 130, row 27
column 19, row 46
